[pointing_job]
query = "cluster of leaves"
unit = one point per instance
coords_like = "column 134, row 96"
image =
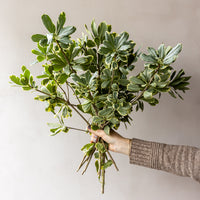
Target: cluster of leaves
column 96, row 68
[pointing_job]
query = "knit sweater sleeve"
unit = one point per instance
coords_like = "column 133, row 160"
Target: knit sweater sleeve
column 177, row 159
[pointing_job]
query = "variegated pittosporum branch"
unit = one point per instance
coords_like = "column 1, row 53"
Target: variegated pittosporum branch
column 97, row 67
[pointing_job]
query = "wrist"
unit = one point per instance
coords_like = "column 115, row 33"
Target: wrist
column 125, row 146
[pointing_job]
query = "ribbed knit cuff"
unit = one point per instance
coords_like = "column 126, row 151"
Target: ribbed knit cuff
column 145, row 153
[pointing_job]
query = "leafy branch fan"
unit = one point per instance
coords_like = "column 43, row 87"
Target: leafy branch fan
column 95, row 69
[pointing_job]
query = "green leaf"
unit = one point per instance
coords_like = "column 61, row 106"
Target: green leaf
column 161, row 51
column 148, row 58
column 136, row 80
column 66, row 112
column 94, row 28
column 97, row 165
column 42, row 97
column 133, row 87
column 77, row 79
column 61, row 21
column 24, row 68
column 107, row 164
column 103, row 50
column 62, row 78
column 90, row 43
column 123, row 82
column 105, row 84
column 97, row 120
column 86, row 105
column 152, row 51
column 65, row 129
column 27, row 74
column 109, row 27
column 172, row 94
column 102, row 29
column 55, row 131
column 147, row 95
column 105, row 112
column 96, row 155
column 94, row 127
column 36, row 52
column 48, row 23
column 43, row 42
column 115, row 87
column 15, row 79
column 99, row 146
column 64, row 40
column 107, row 130
column 123, row 70
column 87, row 76
column 64, row 32
column 122, row 110
column 26, row 88
column 37, row 37
column 87, row 148
column 174, row 52
column 84, row 60
column 42, row 76
column 40, row 58
column 122, row 38
column 169, row 60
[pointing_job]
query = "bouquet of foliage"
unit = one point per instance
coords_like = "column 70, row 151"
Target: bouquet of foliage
column 95, row 68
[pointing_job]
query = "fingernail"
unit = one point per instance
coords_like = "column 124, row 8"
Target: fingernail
column 89, row 127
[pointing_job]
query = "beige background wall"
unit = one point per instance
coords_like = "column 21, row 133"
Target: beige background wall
column 34, row 165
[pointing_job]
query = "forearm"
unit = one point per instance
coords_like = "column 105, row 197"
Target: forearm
column 177, row 159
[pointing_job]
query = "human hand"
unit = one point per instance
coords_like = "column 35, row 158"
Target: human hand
column 116, row 142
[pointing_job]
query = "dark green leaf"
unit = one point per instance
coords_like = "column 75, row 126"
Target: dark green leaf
column 90, row 43
column 62, row 78
column 136, row 80
column 38, row 37
column 105, row 84
column 133, row 87
column 97, row 165
column 123, row 82
column 48, row 23
column 107, row 164
column 96, row 155
column 161, row 51
column 94, row 28
column 61, row 21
